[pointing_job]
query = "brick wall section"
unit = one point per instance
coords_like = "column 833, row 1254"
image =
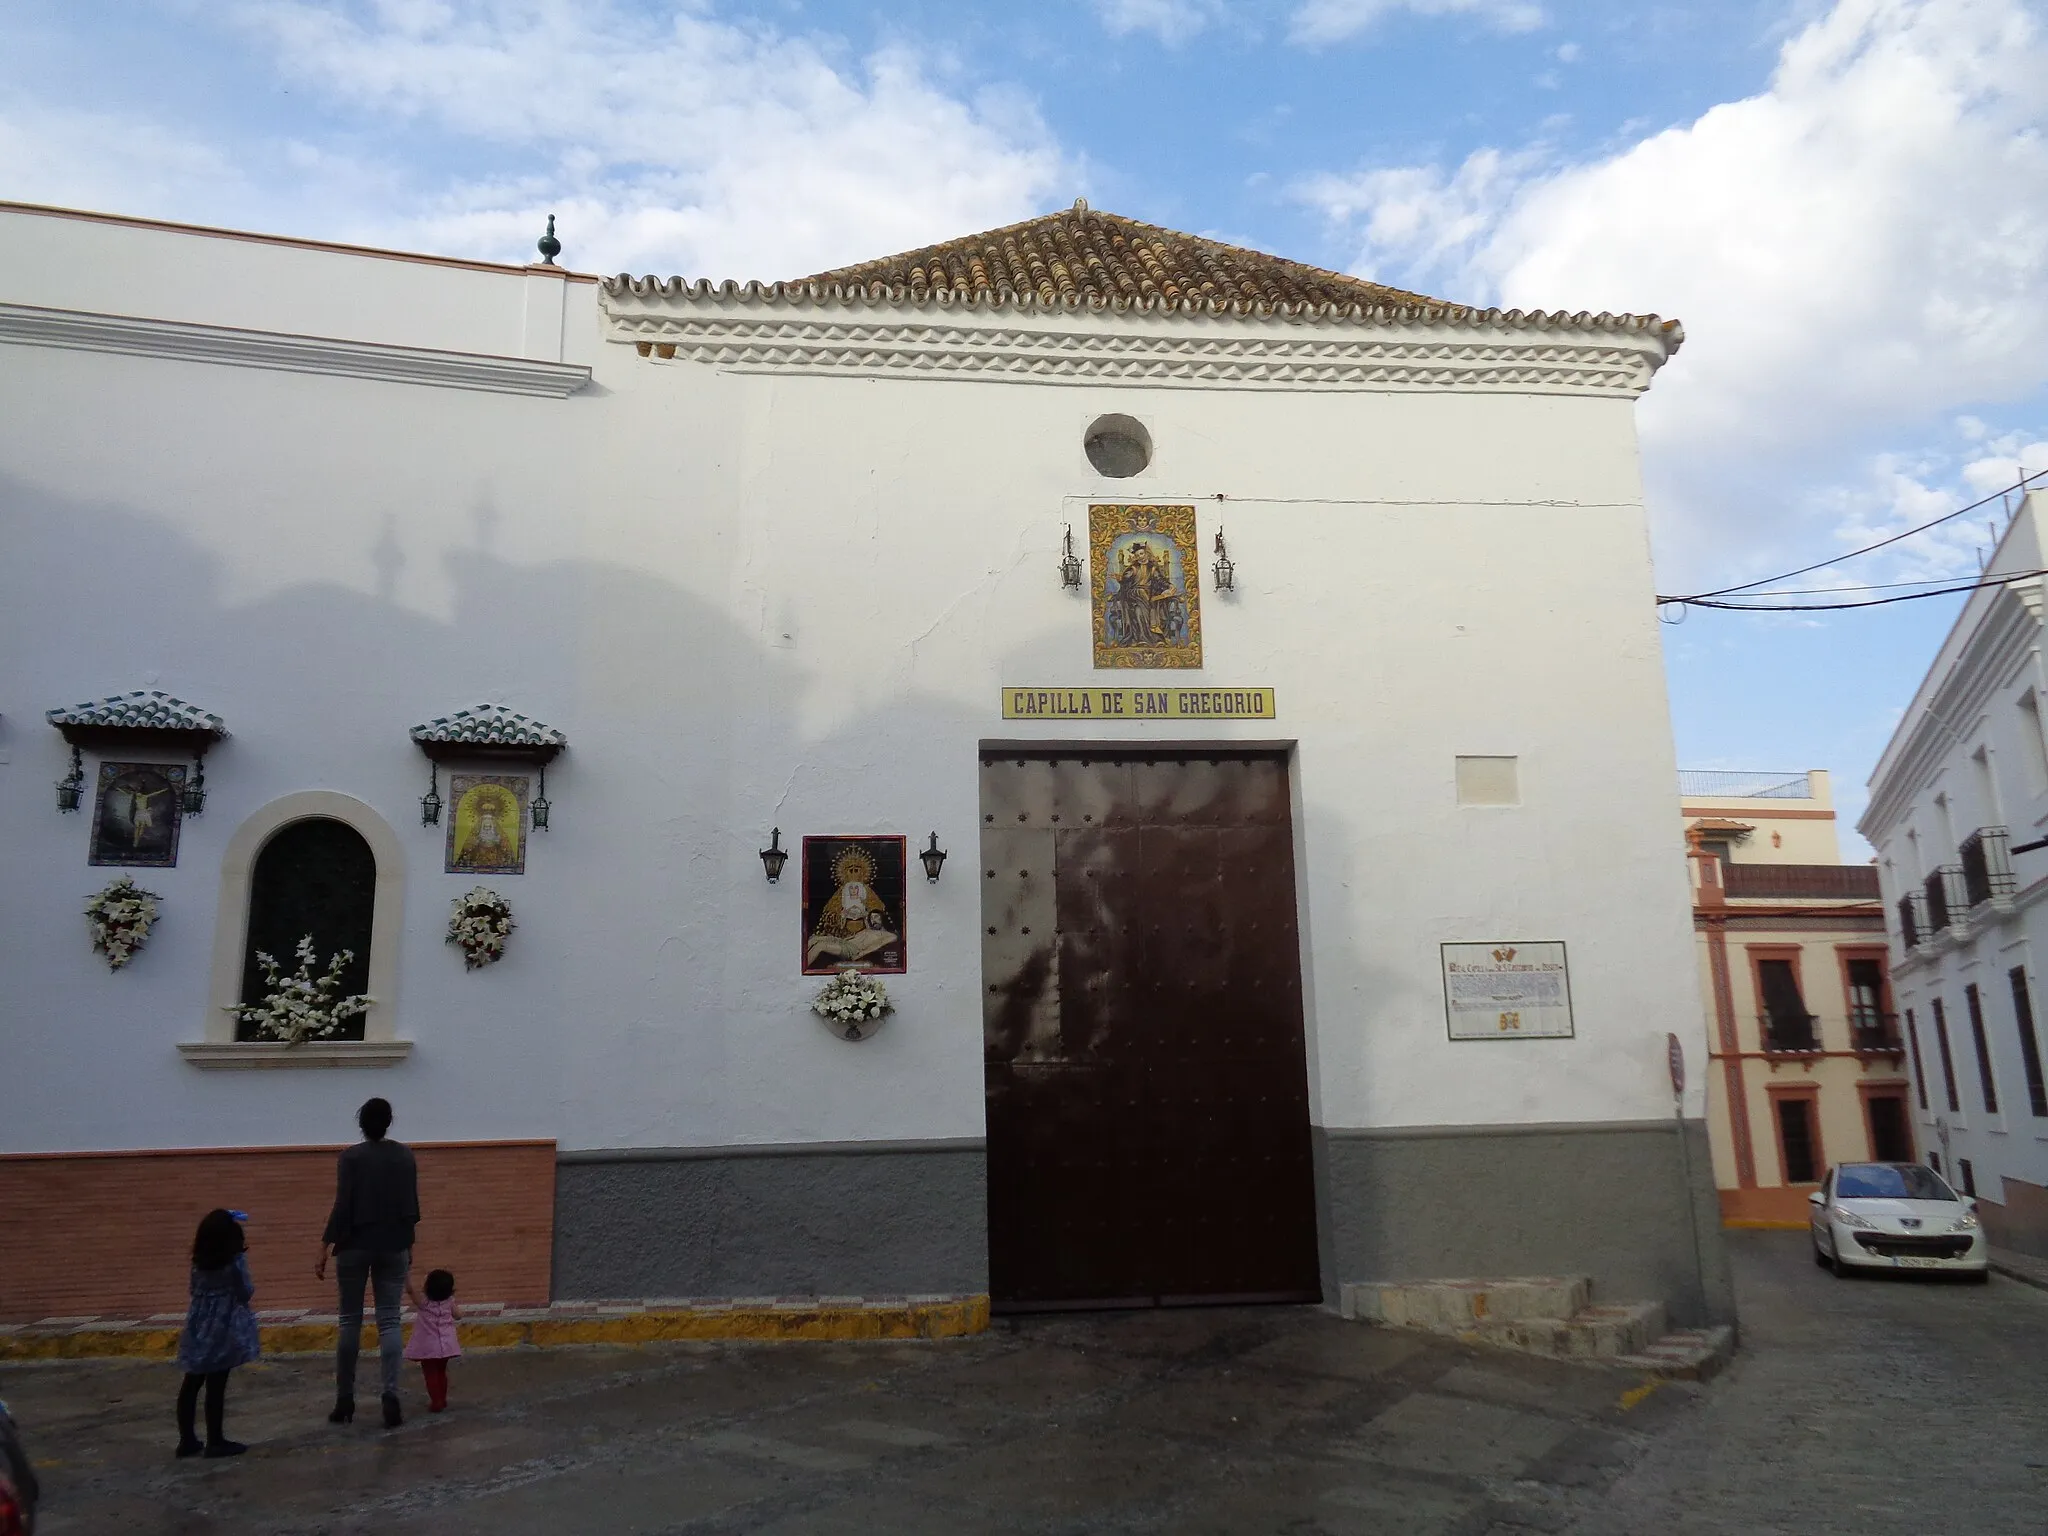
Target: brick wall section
column 110, row 1233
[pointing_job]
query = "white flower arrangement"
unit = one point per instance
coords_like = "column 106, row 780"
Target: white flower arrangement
column 850, row 1000
column 120, row 918
column 303, row 1006
column 480, row 923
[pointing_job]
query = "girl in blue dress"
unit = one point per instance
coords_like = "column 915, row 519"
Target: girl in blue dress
column 220, row 1331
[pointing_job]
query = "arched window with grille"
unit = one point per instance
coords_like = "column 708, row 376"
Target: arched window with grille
column 315, row 878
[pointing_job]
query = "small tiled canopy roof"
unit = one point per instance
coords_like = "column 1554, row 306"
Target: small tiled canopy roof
column 1082, row 256
column 152, row 710
column 489, row 730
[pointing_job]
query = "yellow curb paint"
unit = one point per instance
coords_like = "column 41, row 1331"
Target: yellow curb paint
column 950, row 1319
column 1634, row 1395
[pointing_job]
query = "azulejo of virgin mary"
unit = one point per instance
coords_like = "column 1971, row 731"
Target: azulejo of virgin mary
column 485, row 833
column 1147, row 598
column 853, row 904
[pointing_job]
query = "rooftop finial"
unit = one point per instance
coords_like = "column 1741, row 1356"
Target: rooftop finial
column 1080, row 205
column 550, row 247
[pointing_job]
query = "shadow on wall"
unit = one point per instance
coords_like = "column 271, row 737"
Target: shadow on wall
column 319, row 682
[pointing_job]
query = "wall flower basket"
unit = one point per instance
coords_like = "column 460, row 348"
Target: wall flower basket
column 302, row 1006
column 479, row 923
column 853, row 1005
column 120, row 918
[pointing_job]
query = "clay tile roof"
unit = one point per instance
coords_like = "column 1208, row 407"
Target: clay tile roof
column 489, row 725
column 141, row 710
column 1083, row 256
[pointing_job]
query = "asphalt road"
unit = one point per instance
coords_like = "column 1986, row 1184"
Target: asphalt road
column 1863, row 1406
column 1891, row 1403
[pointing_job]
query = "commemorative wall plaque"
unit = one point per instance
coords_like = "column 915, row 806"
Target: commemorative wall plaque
column 1507, row 991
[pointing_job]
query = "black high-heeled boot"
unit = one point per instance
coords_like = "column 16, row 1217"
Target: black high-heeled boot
column 344, row 1410
column 392, row 1417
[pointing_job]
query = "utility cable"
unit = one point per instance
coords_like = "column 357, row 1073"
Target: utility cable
column 1821, row 565
column 1866, row 602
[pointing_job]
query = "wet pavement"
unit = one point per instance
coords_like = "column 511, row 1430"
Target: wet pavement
column 1281, row 1420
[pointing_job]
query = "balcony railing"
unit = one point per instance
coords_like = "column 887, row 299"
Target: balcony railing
column 1789, row 1031
column 1827, row 882
column 1912, row 919
column 1871, row 1030
column 1987, row 865
column 1734, row 784
column 1946, row 897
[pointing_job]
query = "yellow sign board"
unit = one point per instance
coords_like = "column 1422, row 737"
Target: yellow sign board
column 1138, row 704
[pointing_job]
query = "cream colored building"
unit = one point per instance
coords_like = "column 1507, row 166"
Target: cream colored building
column 1807, row 1059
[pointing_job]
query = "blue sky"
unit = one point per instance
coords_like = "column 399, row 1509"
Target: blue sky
column 1846, row 201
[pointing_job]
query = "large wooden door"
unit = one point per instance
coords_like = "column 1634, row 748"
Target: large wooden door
column 1147, row 1089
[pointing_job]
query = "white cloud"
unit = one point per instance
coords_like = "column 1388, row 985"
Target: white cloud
column 1171, row 21
column 1858, row 253
column 675, row 143
column 1332, row 21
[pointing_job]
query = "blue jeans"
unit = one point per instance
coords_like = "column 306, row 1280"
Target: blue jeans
column 385, row 1273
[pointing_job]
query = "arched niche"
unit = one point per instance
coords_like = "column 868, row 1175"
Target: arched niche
column 240, row 865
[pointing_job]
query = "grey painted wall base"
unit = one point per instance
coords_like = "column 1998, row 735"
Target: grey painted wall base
column 1606, row 1200
column 830, row 1219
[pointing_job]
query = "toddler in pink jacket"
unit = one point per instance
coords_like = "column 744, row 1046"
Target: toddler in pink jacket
column 433, row 1341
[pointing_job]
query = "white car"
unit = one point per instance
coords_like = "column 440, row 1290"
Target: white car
column 1895, row 1216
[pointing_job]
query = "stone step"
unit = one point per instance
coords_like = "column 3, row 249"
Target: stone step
column 1459, row 1306
column 1688, row 1354
column 1591, row 1333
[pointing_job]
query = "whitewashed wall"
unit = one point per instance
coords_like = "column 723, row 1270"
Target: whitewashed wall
column 1970, row 752
column 776, row 600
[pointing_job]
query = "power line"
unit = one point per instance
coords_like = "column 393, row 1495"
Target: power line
column 1867, row 602
column 1821, row 565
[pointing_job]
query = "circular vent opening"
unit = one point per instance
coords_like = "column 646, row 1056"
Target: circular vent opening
column 1118, row 446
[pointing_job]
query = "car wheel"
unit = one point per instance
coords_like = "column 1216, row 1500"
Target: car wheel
column 1820, row 1258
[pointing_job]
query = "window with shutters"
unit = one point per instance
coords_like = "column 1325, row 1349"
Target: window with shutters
column 2030, row 1045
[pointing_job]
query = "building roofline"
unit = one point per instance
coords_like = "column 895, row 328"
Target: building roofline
column 296, row 242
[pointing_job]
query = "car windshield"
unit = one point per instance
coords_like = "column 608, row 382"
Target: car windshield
column 1890, row 1181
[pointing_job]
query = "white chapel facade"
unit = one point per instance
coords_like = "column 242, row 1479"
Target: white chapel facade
column 1271, row 657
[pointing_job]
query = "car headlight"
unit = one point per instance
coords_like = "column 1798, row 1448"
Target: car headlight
column 1965, row 1223
column 1849, row 1218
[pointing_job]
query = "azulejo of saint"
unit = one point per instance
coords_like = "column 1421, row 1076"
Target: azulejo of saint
column 484, row 833
column 853, row 904
column 1147, row 597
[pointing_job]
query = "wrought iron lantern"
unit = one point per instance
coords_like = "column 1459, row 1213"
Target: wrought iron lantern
column 1225, row 569
column 195, row 788
column 72, row 785
column 1070, row 566
column 774, row 856
column 540, row 809
column 430, row 802
column 933, row 858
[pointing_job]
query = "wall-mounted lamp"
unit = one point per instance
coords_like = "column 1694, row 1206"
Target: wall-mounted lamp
column 1225, row 571
column 1070, row 564
column 72, row 785
column 933, row 858
column 195, row 788
column 540, row 808
column 774, row 856
column 430, row 802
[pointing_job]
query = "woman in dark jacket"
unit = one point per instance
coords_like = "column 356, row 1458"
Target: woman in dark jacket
column 369, row 1235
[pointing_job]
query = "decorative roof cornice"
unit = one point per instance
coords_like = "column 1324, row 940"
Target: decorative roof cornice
column 489, row 730
column 1997, row 628
column 86, row 331
column 756, row 330
column 152, row 710
column 1081, row 295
